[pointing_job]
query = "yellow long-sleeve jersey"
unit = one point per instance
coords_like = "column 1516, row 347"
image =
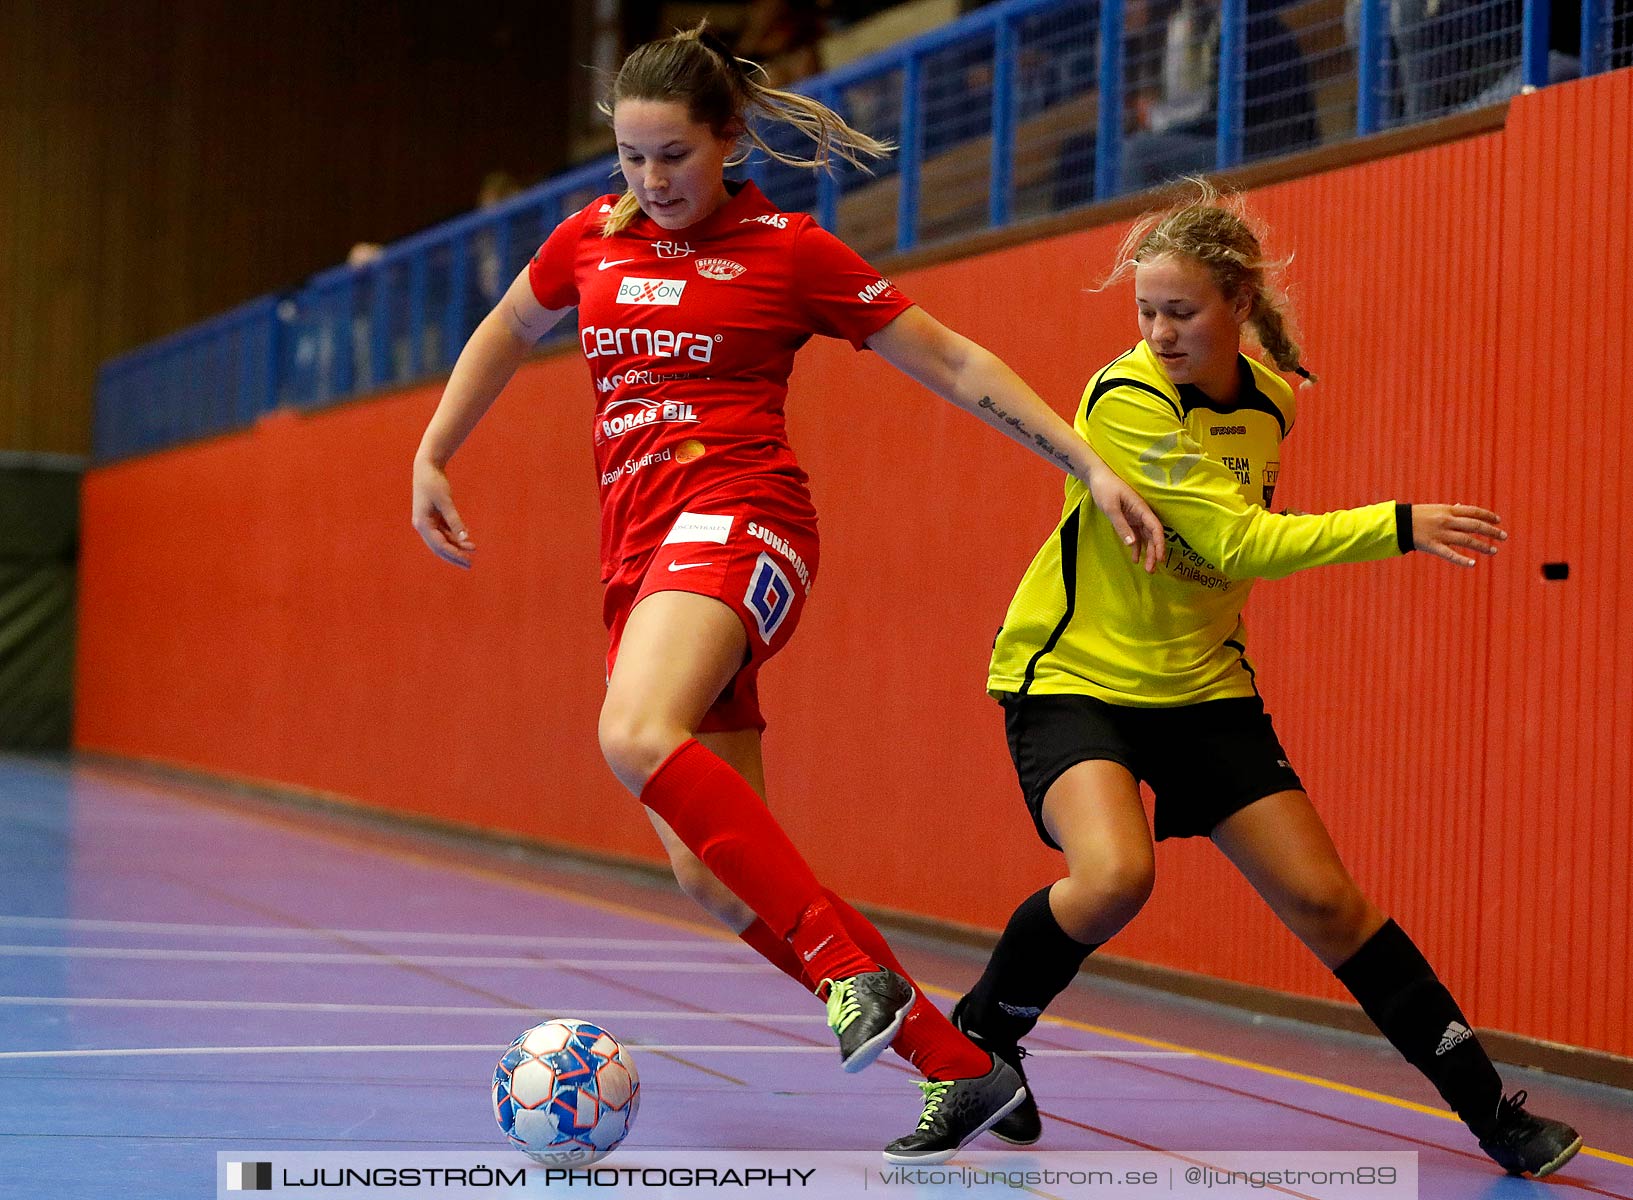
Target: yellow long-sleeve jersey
column 1087, row 620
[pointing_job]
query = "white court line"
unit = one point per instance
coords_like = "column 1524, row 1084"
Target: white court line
column 429, row 1010
column 489, row 1048
column 512, row 940
column 381, row 959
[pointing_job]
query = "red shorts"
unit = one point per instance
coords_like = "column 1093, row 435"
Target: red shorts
column 755, row 554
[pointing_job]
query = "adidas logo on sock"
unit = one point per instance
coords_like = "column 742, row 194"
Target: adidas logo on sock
column 1016, row 1010
column 1455, row 1033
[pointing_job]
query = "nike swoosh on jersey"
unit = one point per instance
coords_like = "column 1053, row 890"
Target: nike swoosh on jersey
column 617, row 262
column 688, row 566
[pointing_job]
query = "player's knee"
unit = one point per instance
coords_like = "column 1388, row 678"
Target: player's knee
column 1092, row 907
column 1126, row 887
column 634, row 745
column 1327, row 908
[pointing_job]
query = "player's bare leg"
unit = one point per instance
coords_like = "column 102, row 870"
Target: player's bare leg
column 678, row 652
column 1281, row 846
column 1093, row 813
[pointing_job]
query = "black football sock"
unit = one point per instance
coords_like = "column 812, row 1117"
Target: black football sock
column 1034, row 961
column 1399, row 990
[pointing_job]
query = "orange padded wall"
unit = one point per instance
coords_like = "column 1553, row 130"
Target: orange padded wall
column 258, row 606
column 1554, row 882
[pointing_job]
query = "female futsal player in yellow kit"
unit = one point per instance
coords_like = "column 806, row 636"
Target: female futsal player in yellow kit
column 1109, row 676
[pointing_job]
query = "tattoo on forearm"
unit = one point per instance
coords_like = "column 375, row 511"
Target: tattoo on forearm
column 1040, row 440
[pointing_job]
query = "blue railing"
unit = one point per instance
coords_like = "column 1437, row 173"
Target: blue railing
column 1017, row 110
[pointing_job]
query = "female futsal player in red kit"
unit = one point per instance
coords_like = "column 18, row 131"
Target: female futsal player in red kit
column 693, row 295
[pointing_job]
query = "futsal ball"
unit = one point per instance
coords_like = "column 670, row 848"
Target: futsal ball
column 565, row 1093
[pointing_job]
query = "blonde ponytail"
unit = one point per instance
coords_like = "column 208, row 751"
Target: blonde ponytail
column 1214, row 229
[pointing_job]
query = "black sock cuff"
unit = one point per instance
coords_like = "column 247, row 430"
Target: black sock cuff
column 1035, row 914
column 1033, row 962
column 1385, row 960
column 1399, row 990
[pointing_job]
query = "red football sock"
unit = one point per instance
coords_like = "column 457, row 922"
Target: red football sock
column 777, row 952
column 927, row 1039
column 723, row 821
column 825, row 947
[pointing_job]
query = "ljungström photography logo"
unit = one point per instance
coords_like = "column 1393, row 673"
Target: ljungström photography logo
column 249, row 1177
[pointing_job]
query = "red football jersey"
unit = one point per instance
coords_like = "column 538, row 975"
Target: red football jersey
column 690, row 336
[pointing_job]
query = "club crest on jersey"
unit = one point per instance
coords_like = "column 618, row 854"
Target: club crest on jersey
column 650, row 291
column 719, row 268
column 769, row 597
column 673, row 249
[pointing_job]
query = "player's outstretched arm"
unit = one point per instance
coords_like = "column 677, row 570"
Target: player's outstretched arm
column 500, row 344
column 976, row 380
column 1446, row 530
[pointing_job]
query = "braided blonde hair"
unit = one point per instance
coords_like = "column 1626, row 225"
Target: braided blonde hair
column 697, row 69
column 1214, row 229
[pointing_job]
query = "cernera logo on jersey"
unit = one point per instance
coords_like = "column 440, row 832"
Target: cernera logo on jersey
column 673, row 249
column 623, row 416
column 650, row 291
column 597, row 341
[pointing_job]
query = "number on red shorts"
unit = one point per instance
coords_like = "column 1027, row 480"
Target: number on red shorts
column 769, row 597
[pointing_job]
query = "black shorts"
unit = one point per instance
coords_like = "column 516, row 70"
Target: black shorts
column 1203, row 761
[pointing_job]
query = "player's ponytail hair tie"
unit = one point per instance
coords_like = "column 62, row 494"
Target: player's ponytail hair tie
column 710, row 39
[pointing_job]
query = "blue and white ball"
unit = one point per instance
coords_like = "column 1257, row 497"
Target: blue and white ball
column 565, row 1093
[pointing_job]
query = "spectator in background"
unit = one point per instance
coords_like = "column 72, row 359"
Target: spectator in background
column 782, row 36
column 487, row 276
column 363, row 254
column 488, row 273
column 1175, row 114
column 492, row 275
column 1445, row 56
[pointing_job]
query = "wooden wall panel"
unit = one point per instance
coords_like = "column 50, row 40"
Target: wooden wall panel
column 164, row 160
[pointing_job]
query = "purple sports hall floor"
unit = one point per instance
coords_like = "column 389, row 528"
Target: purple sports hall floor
column 187, row 969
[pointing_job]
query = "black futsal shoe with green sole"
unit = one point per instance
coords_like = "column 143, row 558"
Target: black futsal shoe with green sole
column 1522, row 1144
column 1023, row 1125
column 956, row 1112
column 866, row 1013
